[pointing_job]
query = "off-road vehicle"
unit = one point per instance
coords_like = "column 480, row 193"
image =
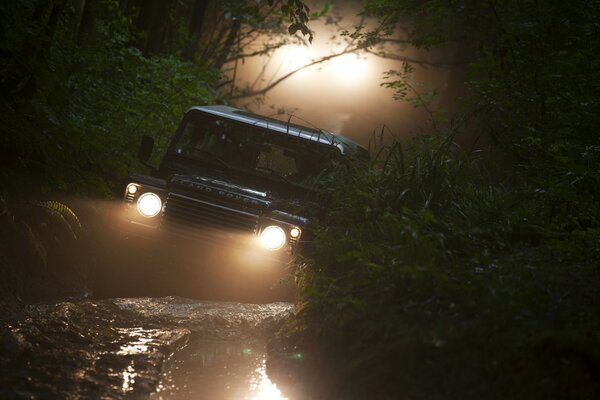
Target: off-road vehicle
column 230, row 203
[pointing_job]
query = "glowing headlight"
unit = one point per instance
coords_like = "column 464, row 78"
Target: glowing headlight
column 132, row 189
column 272, row 237
column 149, row 205
column 295, row 232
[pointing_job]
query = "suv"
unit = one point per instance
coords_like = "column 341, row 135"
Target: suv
column 235, row 190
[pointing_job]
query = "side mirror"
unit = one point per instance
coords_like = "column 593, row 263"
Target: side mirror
column 145, row 150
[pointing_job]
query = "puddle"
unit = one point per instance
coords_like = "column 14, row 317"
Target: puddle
column 130, row 348
column 226, row 370
column 225, row 357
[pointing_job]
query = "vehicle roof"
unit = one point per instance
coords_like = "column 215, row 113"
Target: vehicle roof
column 345, row 145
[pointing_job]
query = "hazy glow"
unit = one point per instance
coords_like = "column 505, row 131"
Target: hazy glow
column 350, row 67
column 261, row 383
column 347, row 68
column 295, row 232
column 272, row 237
column 149, row 205
column 343, row 95
column 295, row 57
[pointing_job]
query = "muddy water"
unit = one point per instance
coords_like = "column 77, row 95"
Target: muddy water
column 158, row 348
column 225, row 370
column 225, row 357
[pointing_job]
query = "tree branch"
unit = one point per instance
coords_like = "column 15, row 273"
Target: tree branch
column 398, row 57
column 265, row 50
column 270, row 86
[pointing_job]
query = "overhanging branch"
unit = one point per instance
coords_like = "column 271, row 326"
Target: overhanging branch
column 292, row 73
column 399, row 57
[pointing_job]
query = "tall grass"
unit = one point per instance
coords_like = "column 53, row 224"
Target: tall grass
column 431, row 260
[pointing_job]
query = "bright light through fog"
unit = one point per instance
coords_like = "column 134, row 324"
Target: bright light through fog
column 295, row 57
column 350, row 67
column 343, row 94
column 346, row 69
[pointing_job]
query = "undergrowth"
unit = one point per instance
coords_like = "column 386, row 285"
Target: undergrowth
column 439, row 273
column 43, row 249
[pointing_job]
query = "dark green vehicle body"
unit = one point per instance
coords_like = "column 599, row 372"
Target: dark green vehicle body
column 226, row 177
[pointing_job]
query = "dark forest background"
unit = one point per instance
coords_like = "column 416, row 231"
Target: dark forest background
column 442, row 270
column 82, row 81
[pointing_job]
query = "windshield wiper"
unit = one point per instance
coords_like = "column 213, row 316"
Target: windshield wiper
column 277, row 174
column 213, row 156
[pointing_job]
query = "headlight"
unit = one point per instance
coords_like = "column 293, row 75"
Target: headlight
column 149, row 205
column 132, row 188
column 272, row 237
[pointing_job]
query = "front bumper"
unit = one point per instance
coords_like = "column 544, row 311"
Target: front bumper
column 208, row 223
column 199, row 243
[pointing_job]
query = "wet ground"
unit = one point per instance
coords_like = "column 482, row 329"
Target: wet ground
column 157, row 348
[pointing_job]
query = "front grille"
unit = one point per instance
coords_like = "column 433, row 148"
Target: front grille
column 182, row 213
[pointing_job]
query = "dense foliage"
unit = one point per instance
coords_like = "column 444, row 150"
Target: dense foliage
column 450, row 274
column 74, row 108
column 81, row 81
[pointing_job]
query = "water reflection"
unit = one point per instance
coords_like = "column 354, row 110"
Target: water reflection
column 129, row 375
column 94, row 350
column 138, row 342
column 227, row 370
column 266, row 390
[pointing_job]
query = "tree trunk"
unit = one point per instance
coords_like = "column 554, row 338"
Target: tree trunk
column 36, row 54
column 152, row 20
column 195, row 27
column 86, row 24
column 228, row 45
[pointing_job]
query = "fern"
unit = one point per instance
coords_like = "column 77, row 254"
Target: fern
column 64, row 211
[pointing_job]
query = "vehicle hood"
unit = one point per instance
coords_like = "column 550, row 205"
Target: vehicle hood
column 254, row 194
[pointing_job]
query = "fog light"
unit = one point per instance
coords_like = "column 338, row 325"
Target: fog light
column 295, row 232
column 272, row 237
column 132, row 189
column 149, row 205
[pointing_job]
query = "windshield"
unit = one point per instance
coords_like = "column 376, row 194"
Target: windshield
column 253, row 149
